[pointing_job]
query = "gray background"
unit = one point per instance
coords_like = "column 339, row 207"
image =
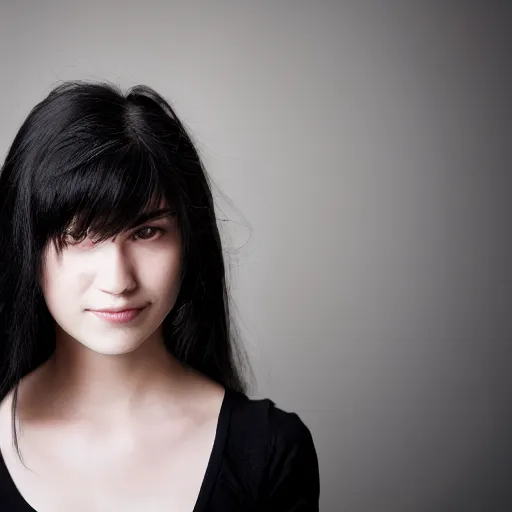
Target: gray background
column 364, row 148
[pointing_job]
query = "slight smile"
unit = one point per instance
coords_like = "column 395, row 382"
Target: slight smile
column 117, row 316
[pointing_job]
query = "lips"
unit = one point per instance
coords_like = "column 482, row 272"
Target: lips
column 116, row 310
column 119, row 316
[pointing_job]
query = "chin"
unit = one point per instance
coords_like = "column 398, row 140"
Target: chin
column 113, row 347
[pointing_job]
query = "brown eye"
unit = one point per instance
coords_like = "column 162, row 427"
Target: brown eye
column 74, row 238
column 147, row 233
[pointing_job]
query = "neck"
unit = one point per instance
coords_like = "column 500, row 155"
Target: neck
column 78, row 383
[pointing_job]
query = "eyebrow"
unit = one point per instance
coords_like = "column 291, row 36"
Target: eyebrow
column 152, row 215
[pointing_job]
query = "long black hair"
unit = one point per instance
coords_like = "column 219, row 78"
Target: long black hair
column 91, row 154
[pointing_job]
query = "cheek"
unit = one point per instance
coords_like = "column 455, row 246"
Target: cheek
column 60, row 286
column 56, row 293
column 161, row 273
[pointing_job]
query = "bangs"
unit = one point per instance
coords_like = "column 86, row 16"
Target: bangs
column 105, row 196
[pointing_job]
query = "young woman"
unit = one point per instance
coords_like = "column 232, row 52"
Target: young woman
column 122, row 389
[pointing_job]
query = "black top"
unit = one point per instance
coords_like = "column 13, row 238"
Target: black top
column 263, row 459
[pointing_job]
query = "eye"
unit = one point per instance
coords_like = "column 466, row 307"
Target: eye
column 147, row 232
column 74, row 238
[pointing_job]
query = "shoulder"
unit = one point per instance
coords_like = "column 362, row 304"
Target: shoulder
column 282, row 428
column 278, row 448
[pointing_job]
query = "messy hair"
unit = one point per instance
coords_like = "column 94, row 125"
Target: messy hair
column 90, row 156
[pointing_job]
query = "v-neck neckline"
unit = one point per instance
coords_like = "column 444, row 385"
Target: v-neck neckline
column 207, row 484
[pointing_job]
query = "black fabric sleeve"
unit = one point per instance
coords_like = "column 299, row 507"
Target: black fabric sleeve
column 291, row 480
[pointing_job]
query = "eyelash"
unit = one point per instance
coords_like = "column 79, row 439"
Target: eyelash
column 156, row 229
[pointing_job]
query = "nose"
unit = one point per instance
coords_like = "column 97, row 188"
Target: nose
column 115, row 273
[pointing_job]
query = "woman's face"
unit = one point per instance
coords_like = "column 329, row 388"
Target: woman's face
column 139, row 269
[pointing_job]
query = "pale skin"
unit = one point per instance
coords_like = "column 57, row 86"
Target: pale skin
column 112, row 421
